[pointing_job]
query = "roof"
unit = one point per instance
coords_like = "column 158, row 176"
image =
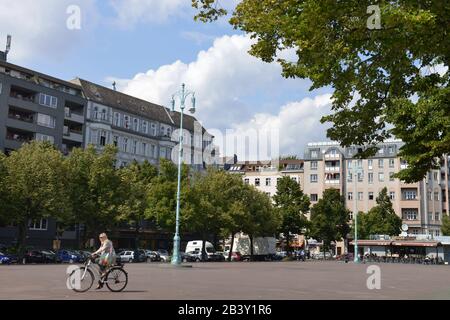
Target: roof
column 40, row 75
column 133, row 105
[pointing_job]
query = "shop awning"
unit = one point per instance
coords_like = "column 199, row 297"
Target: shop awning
column 372, row 242
column 416, row 243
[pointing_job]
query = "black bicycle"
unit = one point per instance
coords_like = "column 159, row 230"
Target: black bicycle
column 82, row 279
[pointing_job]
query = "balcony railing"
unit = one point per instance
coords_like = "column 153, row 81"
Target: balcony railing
column 335, row 181
column 18, row 137
column 332, row 169
column 20, row 117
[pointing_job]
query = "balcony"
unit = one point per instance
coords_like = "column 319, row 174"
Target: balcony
column 332, row 156
column 73, row 134
column 332, row 181
column 332, row 169
column 20, row 115
column 73, row 116
column 19, row 136
column 22, row 94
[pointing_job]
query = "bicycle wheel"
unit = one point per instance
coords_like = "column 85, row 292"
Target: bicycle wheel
column 116, row 279
column 81, row 280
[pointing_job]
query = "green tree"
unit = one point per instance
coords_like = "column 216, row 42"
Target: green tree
column 3, row 191
column 384, row 83
column 95, row 188
column 136, row 180
column 162, row 196
column 381, row 219
column 445, row 225
column 35, row 184
column 292, row 205
column 329, row 218
column 261, row 219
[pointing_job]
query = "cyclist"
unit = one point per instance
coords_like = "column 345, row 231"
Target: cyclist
column 107, row 257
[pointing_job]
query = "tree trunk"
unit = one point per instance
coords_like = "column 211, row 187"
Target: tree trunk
column 136, row 236
column 231, row 247
column 288, row 249
column 324, row 250
column 204, row 254
column 22, row 236
column 251, row 248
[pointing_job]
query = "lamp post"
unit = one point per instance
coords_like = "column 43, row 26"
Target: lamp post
column 182, row 96
column 356, row 171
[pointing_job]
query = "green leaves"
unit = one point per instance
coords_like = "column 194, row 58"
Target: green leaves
column 329, row 218
column 380, row 220
column 397, row 76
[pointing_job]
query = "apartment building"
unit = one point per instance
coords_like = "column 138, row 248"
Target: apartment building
column 141, row 130
column 420, row 205
column 264, row 175
column 34, row 106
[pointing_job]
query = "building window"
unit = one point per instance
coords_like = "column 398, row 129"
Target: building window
column 349, row 164
column 124, row 147
column 391, row 176
column 370, row 164
column 313, row 165
column 45, row 120
column 370, row 195
column 40, row 225
column 410, row 195
column 48, row 101
column 136, row 124
column 436, row 196
column 370, row 177
column 430, row 216
column 380, row 163
column 359, row 164
column 313, row 178
column 437, row 233
column 134, row 147
column 435, row 176
column 391, row 163
column 360, row 176
column 126, row 122
column 350, row 215
column 437, row 216
column 409, row 214
column 349, row 195
column 116, row 119
column 247, row 181
column 268, row 182
column 257, row 182
column 144, row 127
column 314, row 153
column 144, row 148
column 360, row 196
column 391, row 149
column 314, row 197
column 154, row 155
column 381, row 176
column 103, row 138
column 169, row 132
column 392, row 195
column 153, row 129
column 115, row 141
column 44, row 137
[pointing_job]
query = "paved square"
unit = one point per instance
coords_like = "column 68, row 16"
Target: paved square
column 231, row 281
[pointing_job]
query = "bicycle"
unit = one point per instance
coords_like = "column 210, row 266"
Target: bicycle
column 115, row 278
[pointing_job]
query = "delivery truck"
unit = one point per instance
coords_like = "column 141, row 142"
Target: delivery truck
column 264, row 248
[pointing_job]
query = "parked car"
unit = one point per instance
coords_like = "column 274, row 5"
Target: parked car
column 67, row 256
column 50, row 256
column 164, row 255
column 216, row 256
column 152, row 256
column 34, row 256
column 186, row 257
column 126, row 256
column 139, row 255
column 4, row 258
column 320, row 256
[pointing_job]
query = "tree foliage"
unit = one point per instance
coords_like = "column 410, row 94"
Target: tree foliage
column 35, row 187
column 381, row 219
column 387, row 81
column 329, row 218
column 445, row 225
column 292, row 205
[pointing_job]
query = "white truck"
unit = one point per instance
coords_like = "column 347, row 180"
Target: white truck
column 264, row 248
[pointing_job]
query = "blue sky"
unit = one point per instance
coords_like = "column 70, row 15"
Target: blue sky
column 149, row 47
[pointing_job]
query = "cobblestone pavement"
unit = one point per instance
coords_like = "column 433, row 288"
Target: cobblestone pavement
column 236, row 281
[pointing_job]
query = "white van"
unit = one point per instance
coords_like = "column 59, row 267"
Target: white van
column 197, row 245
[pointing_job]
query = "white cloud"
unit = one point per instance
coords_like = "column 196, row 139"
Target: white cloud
column 39, row 27
column 297, row 123
column 235, row 90
column 131, row 12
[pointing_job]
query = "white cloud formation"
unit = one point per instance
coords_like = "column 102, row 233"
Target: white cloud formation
column 131, row 12
column 234, row 91
column 39, row 28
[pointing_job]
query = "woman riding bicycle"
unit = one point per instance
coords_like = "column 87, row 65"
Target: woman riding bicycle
column 107, row 256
